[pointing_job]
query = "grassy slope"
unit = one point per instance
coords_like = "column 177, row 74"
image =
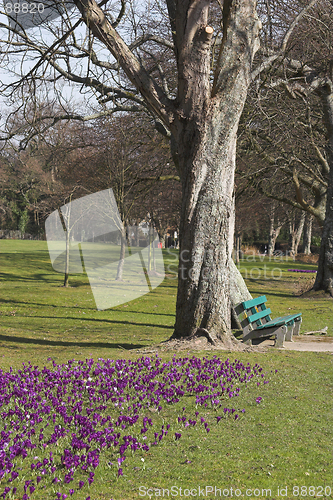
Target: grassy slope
column 286, row 440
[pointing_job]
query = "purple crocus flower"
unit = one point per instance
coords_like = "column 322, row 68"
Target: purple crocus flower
column 71, row 400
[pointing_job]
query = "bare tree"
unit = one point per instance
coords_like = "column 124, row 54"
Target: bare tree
column 276, row 223
column 198, row 105
column 296, row 225
column 307, row 236
column 305, row 76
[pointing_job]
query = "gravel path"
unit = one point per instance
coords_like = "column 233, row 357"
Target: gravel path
column 300, row 343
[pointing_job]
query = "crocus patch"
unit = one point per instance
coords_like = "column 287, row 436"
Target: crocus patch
column 59, row 423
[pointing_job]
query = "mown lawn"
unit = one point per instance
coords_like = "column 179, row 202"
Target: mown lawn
column 281, row 441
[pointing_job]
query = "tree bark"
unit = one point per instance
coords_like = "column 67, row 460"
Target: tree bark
column 238, row 246
column 307, row 236
column 324, row 279
column 207, row 218
column 238, row 293
column 205, row 154
column 203, row 299
column 273, row 236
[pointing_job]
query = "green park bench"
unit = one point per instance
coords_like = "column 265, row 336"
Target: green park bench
column 256, row 322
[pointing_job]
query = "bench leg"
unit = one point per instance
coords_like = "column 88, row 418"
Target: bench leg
column 247, row 338
column 280, row 336
column 290, row 332
column 297, row 326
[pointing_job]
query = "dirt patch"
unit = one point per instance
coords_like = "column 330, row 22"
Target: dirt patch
column 313, row 295
column 200, row 342
column 303, row 284
column 307, row 259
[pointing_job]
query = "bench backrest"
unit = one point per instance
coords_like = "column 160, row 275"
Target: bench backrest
column 253, row 313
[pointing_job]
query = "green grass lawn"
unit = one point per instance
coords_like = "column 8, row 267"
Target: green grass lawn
column 283, row 442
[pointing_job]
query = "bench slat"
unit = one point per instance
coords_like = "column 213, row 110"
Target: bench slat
column 254, row 302
column 282, row 320
column 259, row 315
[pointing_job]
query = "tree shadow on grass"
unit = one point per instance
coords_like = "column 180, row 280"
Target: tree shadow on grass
column 49, row 278
column 266, row 292
column 39, row 304
column 61, row 343
column 145, row 312
column 130, row 323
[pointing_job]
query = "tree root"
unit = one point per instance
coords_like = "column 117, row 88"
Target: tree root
column 202, row 340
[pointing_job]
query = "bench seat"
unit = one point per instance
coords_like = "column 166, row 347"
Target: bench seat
column 281, row 320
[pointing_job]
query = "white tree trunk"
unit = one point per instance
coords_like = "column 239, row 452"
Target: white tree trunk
column 307, row 236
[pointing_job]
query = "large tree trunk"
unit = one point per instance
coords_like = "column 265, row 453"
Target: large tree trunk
column 307, row 237
column 207, row 223
column 238, row 247
column 324, row 279
column 205, row 154
column 238, row 293
column 203, row 299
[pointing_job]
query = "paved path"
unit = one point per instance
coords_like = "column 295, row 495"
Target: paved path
column 310, row 343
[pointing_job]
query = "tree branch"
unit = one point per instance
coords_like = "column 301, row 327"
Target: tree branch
column 56, row 119
column 240, row 42
column 282, row 50
column 101, row 28
column 154, row 38
column 312, row 210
